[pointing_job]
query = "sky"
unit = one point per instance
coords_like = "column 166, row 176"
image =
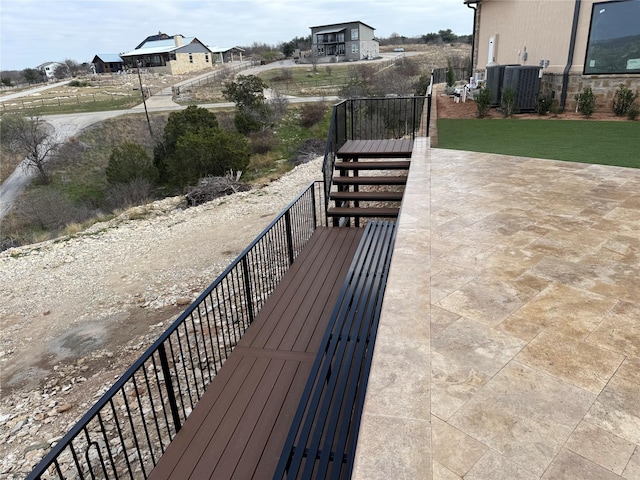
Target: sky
column 33, row 32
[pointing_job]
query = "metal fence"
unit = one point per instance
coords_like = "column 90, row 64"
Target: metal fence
column 124, row 434
column 374, row 119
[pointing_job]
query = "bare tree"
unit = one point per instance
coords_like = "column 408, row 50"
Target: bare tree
column 33, row 138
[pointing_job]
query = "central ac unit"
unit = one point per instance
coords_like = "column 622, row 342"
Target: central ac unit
column 525, row 80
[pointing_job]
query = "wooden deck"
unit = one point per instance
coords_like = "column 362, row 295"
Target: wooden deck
column 395, row 148
column 238, row 429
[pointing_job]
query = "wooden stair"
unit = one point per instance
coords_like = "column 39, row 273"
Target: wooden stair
column 372, row 188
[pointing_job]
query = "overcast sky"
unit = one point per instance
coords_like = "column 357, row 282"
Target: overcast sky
column 37, row 31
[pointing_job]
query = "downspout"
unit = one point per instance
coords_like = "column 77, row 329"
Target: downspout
column 572, row 46
column 473, row 33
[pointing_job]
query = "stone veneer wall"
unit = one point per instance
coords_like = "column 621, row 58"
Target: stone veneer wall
column 603, row 86
column 182, row 64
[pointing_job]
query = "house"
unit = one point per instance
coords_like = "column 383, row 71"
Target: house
column 344, row 41
column 107, row 63
column 577, row 43
column 48, row 69
column 227, row 54
column 175, row 54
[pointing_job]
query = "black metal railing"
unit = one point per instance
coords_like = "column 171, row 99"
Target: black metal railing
column 124, row 434
column 374, row 119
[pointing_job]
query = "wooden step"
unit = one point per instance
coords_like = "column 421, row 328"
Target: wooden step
column 392, row 165
column 377, row 180
column 362, row 212
column 366, row 196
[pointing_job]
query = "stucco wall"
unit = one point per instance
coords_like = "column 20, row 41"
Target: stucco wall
column 542, row 26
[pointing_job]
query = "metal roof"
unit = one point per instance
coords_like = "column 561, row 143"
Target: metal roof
column 109, row 57
column 158, row 46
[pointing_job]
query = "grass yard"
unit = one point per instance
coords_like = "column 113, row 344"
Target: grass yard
column 586, row 141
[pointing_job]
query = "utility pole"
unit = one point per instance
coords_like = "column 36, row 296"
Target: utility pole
column 144, row 99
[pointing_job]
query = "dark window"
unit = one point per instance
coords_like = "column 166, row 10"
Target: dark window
column 614, row 38
column 190, row 58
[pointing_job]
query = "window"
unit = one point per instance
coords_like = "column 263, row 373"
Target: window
column 206, row 57
column 614, row 38
column 354, row 34
column 354, row 48
column 190, row 58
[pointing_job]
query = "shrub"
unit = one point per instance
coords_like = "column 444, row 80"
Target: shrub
column 312, row 113
column 623, row 99
column 508, row 101
column 191, row 119
column 78, row 83
column 129, row 194
column 633, row 112
column 263, row 141
column 48, row 209
column 129, row 162
column 543, row 103
column 247, row 121
column 211, row 152
column 451, row 76
column 421, row 85
column 586, row 102
column 483, row 101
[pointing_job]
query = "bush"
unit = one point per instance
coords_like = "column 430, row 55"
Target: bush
column 508, row 101
column 78, row 83
column 633, row 112
column 483, row 101
column 129, row 162
column 48, row 209
column 207, row 153
column 586, row 102
column 247, row 121
column 421, row 85
column 312, row 113
column 192, row 119
column 129, row 194
column 543, row 103
column 263, row 141
column 451, row 76
column 623, row 100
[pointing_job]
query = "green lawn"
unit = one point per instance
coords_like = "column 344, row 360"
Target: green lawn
column 587, row 141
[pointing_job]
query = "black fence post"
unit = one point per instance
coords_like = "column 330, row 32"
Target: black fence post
column 247, row 287
column 169, row 384
column 287, row 222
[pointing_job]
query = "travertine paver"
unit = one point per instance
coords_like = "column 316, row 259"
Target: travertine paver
column 533, row 324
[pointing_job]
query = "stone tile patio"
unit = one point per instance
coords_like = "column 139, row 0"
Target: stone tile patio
column 509, row 344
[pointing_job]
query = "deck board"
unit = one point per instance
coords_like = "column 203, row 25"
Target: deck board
column 238, row 428
column 394, row 148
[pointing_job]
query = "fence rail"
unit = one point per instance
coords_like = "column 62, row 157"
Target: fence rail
column 29, row 103
column 124, row 434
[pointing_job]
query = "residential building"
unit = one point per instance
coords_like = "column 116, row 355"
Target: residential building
column 227, row 54
column 107, row 63
column 175, row 54
column 577, row 43
column 49, row 69
column 344, row 41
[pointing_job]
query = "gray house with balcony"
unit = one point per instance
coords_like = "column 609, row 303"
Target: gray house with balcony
column 344, row 41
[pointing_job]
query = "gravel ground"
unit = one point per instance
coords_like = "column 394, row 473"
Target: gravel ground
column 76, row 312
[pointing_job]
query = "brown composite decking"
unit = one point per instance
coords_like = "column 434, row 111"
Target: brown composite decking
column 238, row 428
column 396, row 147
